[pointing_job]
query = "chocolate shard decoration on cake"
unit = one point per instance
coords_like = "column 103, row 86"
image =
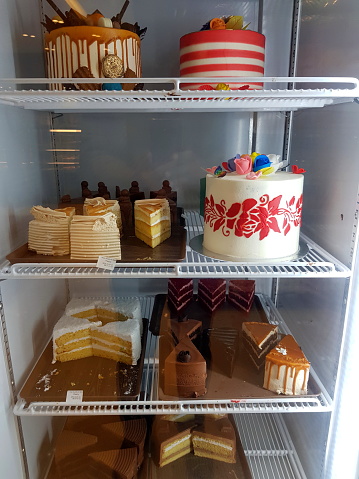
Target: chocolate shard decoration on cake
column 180, row 329
column 258, row 340
column 241, row 293
column 211, row 293
column 222, row 344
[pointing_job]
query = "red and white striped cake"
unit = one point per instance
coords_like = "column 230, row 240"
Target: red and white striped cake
column 222, row 53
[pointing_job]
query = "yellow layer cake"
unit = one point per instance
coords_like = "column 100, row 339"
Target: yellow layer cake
column 152, row 221
column 90, row 327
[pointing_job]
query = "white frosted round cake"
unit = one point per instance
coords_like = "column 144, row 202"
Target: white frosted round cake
column 253, row 219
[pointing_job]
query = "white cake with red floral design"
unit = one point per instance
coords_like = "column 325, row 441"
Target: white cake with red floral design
column 253, row 216
column 225, row 49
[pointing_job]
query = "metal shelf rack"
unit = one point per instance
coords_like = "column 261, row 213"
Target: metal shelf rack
column 316, row 262
column 279, row 94
column 148, row 402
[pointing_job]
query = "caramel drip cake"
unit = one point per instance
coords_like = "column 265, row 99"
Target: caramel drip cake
column 99, row 206
column 49, row 231
column 215, row 439
column 180, row 293
column 80, row 333
column 94, row 236
column 286, row 368
column 241, row 293
column 129, row 433
column 258, row 340
column 170, row 440
column 114, row 464
column 212, row 293
column 152, row 221
column 185, row 371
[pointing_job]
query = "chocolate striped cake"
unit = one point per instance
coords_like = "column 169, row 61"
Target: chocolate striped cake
column 258, row 340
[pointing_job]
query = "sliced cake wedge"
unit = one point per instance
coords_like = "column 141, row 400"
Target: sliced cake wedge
column 258, row 340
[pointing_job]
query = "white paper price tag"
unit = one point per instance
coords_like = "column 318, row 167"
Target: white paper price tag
column 74, row 397
column 106, row 263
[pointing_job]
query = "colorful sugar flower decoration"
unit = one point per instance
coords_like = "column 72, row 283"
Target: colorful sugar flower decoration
column 251, row 166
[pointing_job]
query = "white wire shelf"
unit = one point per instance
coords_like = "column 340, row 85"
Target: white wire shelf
column 148, row 401
column 268, row 447
column 279, row 94
column 316, row 262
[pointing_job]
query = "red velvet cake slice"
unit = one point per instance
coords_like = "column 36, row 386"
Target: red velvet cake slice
column 241, row 293
column 212, row 293
column 180, row 292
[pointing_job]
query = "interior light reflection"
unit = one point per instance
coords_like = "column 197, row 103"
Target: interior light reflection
column 62, row 149
column 64, row 131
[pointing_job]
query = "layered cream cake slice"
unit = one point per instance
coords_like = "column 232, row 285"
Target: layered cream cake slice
column 211, row 293
column 258, row 340
column 215, row 439
column 120, row 341
column 152, row 221
column 49, row 231
column 286, row 368
column 72, row 338
column 94, row 236
column 241, row 293
column 170, row 440
column 99, row 206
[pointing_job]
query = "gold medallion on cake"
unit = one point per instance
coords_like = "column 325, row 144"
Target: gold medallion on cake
column 112, row 66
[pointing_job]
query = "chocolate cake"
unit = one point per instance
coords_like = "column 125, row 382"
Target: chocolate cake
column 286, row 368
column 128, row 434
column 241, row 293
column 180, row 292
column 215, row 439
column 222, row 347
column 170, row 440
column 114, row 464
column 71, row 451
column 185, row 371
column 211, row 293
column 258, row 340
column 185, row 328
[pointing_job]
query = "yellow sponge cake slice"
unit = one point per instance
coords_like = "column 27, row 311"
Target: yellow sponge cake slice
column 152, row 221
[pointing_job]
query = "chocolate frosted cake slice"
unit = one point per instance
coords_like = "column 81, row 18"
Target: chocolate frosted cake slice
column 185, row 328
column 71, row 451
column 215, row 439
column 241, row 293
column 180, row 293
column 222, row 348
column 185, row 371
column 286, row 368
column 212, row 293
column 127, row 434
column 258, row 340
column 114, row 464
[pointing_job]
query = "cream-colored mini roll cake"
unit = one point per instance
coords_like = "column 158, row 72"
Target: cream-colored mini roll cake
column 94, row 236
column 99, row 206
column 49, row 231
column 253, row 219
column 152, row 221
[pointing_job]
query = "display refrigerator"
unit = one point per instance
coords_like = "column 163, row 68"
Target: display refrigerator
column 54, row 136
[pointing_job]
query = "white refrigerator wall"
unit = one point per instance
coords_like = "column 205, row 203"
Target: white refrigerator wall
column 325, row 143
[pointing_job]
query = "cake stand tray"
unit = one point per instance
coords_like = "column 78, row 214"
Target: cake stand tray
column 133, row 250
column 246, row 381
column 99, row 379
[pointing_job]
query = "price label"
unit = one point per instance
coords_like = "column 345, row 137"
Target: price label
column 106, row 263
column 74, row 397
